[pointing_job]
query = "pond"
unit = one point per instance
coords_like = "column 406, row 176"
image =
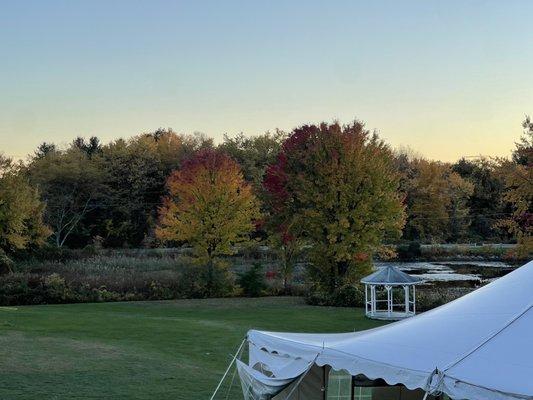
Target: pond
column 454, row 273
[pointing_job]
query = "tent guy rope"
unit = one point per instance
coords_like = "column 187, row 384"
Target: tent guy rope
column 228, row 369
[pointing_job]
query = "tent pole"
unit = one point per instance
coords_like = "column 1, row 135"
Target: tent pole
column 228, row 369
column 300, row 379
column 324, row 382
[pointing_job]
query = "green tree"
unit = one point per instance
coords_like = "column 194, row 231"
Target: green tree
column 69, row 182
column 254, row 154
column 134, row 174
column 90, row 147
column 21, row 211
column 134, row 183
column 336, row 187
column 108, row 191
column 44, row 149
column 485, row 204
column 288, row 249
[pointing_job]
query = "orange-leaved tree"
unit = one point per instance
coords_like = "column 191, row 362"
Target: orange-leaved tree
column 517, row 175
column 210, row 207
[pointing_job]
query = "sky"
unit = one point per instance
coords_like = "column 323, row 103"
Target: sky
column 444, row 78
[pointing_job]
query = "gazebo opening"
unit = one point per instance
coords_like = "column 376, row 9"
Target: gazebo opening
column 390, row 294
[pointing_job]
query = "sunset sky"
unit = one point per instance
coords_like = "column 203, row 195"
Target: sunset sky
column 445, row 78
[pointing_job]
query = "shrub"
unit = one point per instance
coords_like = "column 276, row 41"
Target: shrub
column 344, row 296
column 111, row 278
column 409, row 251
column 55, row 290
column 6, row 264
column 432, row 297
column 34, row 289
column 252, row 281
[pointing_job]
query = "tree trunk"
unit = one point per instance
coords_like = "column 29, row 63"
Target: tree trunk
column 210, row 277
column 332, row 278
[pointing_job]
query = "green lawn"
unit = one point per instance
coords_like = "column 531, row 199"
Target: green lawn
column 142, row 350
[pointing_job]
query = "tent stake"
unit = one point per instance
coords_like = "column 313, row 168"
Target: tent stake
column 227, row 369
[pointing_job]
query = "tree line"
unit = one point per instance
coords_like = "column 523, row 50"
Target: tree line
column 338, row 190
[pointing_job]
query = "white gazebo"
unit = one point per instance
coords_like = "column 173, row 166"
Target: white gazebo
column 388, row 279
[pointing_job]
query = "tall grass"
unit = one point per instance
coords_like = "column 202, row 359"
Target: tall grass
column 107, row 277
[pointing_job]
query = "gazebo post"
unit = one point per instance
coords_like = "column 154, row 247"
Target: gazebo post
column 389, row 299
column 406, row 295
column 373, row 299
column 414, row 299
column 391, row 307
column 366, row 299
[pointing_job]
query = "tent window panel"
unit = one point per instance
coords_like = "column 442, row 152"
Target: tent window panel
column 386, row 393
column 339, row 386
column 362, row 393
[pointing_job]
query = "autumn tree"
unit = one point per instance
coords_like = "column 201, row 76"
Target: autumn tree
column 437, row 202
column 210, row 207
column 517, row 175
column 459, row 221
column 336, row 188
column 21, row 212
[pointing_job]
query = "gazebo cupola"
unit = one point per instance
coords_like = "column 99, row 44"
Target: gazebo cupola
column 386, row 281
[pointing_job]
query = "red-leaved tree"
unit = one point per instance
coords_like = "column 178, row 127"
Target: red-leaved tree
column 335, row 188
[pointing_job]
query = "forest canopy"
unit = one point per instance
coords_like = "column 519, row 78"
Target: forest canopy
column 338, row 188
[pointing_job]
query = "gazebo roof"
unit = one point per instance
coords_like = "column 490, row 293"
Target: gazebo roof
column 390, row 276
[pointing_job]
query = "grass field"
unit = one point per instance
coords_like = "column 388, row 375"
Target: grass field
column 142, row 350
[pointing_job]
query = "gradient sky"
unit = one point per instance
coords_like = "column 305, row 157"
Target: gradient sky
column 446, row 78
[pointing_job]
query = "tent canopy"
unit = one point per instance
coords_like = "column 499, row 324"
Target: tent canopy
column 477, row 347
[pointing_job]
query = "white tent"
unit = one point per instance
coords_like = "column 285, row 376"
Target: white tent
column 479, row 347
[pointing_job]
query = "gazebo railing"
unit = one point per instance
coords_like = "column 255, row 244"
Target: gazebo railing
column 393, row 310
